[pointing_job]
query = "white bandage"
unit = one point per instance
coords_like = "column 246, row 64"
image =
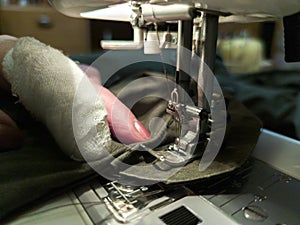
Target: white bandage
column 57, row 92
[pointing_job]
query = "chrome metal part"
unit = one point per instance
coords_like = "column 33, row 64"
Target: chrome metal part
column 185, row 147
column 255, row 213
column 162, row 13
column 127, row 203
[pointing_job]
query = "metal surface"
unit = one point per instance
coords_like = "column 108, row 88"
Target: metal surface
column 188, row 145
column 132, row 205
column 255, row 194
column 185, row 37
column 265, row 197
column 280, row 152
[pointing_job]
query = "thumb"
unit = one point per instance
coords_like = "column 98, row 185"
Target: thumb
column 123, row 124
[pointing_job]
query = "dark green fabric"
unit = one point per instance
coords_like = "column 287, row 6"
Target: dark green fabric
column 39, row 167
column 274, row 96
column 36, row 169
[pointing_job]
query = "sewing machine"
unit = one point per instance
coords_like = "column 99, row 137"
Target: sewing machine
column 252, row 194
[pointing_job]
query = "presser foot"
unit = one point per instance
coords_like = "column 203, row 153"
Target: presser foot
column 191, row 142
column 173, row 157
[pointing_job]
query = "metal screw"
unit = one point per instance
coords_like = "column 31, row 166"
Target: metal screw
column 255, row 213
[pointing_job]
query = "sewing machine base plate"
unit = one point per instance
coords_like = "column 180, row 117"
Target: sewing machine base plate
column 253, row 194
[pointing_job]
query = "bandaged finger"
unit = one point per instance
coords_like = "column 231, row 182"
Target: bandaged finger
column 57, row 93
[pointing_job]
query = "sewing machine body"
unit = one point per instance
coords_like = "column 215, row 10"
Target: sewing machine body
column 256, row 8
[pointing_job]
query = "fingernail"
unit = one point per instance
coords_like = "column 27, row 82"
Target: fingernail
column 142, row 130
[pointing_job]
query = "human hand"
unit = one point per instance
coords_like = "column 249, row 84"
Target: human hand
column 123, row 124
column 10, row 135
column 6, row 43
